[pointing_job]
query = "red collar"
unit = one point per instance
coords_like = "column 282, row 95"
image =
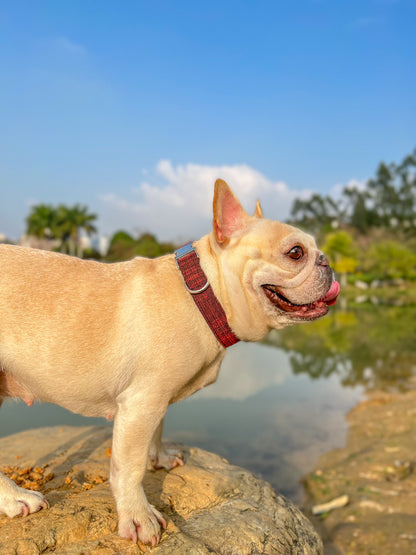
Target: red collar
column 197, row 284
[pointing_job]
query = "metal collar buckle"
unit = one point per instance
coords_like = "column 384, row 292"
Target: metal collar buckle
column 181, row 253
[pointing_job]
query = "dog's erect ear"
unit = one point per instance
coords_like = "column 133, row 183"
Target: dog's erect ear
column 229, row 215
column 258, row 212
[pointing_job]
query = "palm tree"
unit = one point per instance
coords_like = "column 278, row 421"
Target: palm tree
column 62, row 223
column 41, row 222
column 71, row 221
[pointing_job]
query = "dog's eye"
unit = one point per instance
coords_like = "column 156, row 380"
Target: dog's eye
column 296, row 253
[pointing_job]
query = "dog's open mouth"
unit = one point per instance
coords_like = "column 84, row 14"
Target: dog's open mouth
column 310, row 311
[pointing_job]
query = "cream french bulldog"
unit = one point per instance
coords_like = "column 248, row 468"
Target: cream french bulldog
column 125, row 340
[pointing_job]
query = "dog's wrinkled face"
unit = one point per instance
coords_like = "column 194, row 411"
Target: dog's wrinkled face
column 291, row 277
column 280, row 267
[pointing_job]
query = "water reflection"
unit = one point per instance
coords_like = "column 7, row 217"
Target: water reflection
column 261, row 416
column 275, row 410
column 373, row 347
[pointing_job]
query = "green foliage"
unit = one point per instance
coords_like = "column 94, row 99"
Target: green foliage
column 91, row 254
column 372, row 347
column 61, row 223
column 388, row 200
column 42, row 221
column 390, row 259
column 339, row 244
column 342, row 252
column 370, row 229
column 73, row 219
column 121, row 237
column 124, row 247
column 316, row 213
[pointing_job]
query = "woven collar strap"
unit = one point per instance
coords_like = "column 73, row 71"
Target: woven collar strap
column 198, row 286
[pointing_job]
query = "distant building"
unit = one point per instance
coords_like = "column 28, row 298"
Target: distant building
column 100, row 244
column 85, row 242
column 103, row 245
column 38, row 243
column 5, row 239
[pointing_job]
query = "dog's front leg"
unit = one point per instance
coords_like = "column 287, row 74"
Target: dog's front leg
column 160, row 456
column 136, row 420
column 16, row 501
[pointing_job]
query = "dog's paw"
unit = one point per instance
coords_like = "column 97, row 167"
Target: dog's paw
column 167, row 458
column 144, row 526
column 21, row 502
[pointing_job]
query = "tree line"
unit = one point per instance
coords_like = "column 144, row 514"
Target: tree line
column 368, row 231
column 124, row 246
column 387, row 201
column 61, row 226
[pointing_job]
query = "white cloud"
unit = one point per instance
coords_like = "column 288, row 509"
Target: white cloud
column 178, row 204
column 353, row 184
column 240, row 377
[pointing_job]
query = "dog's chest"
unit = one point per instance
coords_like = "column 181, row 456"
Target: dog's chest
column 206, row 376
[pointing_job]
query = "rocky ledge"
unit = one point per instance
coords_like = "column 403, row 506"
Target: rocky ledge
column 210, row 505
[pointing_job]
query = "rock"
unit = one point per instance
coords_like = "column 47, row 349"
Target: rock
column 361, row 284
column 211, row 506
column 336, row 503
column 396, row 282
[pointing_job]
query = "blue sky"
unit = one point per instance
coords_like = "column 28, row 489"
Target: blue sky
column 135, row 108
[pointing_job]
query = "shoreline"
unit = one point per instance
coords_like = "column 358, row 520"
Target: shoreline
column 400, row 294
column 376, row 470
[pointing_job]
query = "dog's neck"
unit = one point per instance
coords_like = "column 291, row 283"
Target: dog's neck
column 197, row 284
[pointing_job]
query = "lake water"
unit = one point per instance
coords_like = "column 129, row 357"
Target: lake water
column 278, row 405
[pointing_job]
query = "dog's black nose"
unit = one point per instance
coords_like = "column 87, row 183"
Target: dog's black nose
column 322, row 260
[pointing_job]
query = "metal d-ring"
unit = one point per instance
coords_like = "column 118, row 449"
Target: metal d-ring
column 196, row 291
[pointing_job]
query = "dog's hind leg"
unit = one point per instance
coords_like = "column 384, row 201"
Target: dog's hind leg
column 17, row 501
column 162, row 457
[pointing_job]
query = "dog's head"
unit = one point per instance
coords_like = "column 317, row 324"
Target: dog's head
column 273, row 274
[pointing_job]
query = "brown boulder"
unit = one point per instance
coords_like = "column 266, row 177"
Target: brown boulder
column 210, row 505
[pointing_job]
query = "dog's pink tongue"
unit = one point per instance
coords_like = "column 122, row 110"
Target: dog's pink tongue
column 331, row 297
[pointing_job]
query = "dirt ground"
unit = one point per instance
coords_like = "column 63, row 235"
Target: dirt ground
column 376, row 470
